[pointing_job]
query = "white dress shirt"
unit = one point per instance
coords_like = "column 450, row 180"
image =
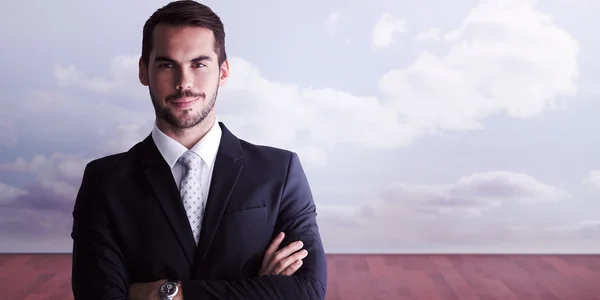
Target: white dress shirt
column 206, row 148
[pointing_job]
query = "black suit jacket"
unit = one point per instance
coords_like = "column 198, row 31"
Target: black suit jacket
column 130, row 226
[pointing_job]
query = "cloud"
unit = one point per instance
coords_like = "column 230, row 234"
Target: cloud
column 586, row 229
column 100, row 123
column 25, row 230
column 9, row 194
column 55, row 184
column 123, row 78
column 125, row 135
column 8, row 132
column 331, row 23
column 385, row 29
column 433, row 34
column 460, row 216
column 592, row 180
column 502, row 59
column 470, row 195
column 494, row 65
column 36, row 217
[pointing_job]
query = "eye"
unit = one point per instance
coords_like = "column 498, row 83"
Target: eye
column 165, row 65
column 198, row 65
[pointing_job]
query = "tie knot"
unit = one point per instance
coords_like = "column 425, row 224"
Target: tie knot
column 190, row 160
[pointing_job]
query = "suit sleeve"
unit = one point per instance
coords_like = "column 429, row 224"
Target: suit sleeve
column 98, row 270
column 297, row 218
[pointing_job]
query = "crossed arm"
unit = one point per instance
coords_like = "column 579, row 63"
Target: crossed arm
column 99, row 270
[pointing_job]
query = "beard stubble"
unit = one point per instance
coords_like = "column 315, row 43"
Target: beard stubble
column 188, row 119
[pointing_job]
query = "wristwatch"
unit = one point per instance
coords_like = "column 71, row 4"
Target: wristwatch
column 168, row 290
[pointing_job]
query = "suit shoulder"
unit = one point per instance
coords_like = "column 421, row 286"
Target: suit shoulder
column 109, row 164
column 104, row 164
column 273, row 153
column 269, row 159
column 272, row 163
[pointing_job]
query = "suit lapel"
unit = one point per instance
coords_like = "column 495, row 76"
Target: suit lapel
column 161, row 180
column 224, row 178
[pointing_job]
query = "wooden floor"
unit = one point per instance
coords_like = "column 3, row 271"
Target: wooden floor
column 427, row 277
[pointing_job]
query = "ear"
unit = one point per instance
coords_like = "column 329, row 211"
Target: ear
column 143, row 72
column 224, row 73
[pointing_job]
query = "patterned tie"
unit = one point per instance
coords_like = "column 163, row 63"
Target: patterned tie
column 191, row 191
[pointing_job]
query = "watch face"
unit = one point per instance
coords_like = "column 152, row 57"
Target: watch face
column 168, row 289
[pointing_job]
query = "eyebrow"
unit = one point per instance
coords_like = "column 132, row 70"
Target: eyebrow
column 168, row 59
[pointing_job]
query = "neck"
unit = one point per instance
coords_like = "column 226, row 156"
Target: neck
column 188, row 137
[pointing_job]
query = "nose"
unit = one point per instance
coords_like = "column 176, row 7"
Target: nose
column 184, row 80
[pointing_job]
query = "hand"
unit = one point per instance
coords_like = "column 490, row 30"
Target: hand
column 145, row 290
column 285, row 261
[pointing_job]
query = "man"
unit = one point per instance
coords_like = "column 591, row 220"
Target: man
column 192, row 212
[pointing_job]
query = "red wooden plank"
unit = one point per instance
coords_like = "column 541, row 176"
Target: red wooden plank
column 370, row 276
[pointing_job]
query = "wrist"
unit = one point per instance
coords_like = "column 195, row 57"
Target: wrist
column 179, row 295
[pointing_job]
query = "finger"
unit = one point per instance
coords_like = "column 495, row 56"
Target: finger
column 283, row 253
column 289, row 271
column 270, row 252
column 274, row 244
column 288, row 261
column 272, row 248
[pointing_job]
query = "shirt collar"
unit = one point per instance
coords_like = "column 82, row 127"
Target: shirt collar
column 171, row 150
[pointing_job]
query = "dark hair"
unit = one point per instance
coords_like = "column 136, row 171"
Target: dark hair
column 184, row 13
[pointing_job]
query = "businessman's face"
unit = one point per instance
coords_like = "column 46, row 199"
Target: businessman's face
column 183, row 74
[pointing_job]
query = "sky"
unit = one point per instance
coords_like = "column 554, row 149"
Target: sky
column 424, row 127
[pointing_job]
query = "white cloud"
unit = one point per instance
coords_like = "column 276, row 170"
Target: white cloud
column 291, row 116
column 100, row 122
column 123, row 78
column 25, row 230
column 513, row 61
column 8, row 132
column 331, row 23
column 501, row 60
column 452, row 217
column 592, row 180
column 443, row 217
column 8, row 193
column 470, row 195
column 385, row 29
column 59, row 175
column 583, row 229
column 126, row 135
column 433, row 34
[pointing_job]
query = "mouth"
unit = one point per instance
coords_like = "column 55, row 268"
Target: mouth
column 186, row 102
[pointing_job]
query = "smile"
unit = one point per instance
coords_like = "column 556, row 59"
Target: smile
column 185, row 102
